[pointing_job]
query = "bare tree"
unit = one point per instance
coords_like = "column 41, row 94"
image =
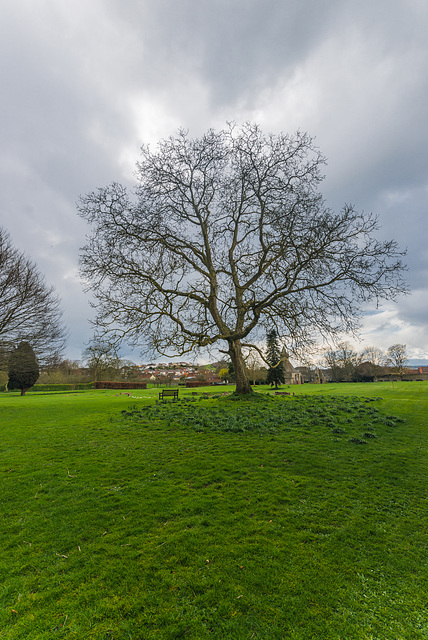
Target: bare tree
column 374, row 355
column 101, row 358
column 64, row 372
column 255, row 368
column 371, row 364
column 29, row 308
column 225, row 238
column 342, row 362
column 396, row 356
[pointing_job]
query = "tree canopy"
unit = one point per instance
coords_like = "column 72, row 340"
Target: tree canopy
column 225, row 237
column 29, row 309
column 342, row 362
column 396, row 356
column 23, row 368
column 101, row 359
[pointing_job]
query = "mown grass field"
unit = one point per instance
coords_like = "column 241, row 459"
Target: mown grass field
column 283, row 518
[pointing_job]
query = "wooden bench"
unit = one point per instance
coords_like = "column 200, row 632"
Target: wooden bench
column 168, row 392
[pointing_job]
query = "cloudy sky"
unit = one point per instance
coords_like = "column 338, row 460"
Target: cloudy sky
column 85, row 83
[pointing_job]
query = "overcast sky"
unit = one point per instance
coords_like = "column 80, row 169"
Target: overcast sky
column 85, row 83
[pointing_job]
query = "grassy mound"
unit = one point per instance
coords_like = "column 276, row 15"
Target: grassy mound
column 350, row 416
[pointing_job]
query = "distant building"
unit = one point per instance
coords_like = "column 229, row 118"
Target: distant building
column 314, row 376
column 292, row 375
column 213, row 378
column 421, row 373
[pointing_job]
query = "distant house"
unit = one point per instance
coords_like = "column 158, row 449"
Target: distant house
column 213, row 378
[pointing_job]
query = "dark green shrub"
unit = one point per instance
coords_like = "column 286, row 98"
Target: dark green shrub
column 23, row 368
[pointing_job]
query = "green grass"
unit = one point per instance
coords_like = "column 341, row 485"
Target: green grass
column 214, row 518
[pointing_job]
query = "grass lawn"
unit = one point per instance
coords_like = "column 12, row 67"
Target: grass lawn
column 287, row 518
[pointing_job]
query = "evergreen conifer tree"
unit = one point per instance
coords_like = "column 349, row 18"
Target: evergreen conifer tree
column 231, row 372
column 23, row 368
column 276, row 371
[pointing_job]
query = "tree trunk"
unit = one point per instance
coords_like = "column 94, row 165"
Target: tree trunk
column 242, row 381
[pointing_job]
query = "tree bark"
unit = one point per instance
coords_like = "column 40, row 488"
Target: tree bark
column 242, row 381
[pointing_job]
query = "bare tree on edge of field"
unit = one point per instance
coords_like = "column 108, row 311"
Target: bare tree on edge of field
column 29, row 309
column 101, row 358
column 226, row 237
column 396, row 357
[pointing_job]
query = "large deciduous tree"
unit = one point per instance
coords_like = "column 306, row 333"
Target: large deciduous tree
column 29, row 308
column 225, row 237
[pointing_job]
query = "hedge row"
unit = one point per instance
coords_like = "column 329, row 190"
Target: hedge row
column 83, row 386
column 120, row 385
column 57, row 387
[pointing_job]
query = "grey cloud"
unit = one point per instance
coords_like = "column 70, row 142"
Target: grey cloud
column 84, row 84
